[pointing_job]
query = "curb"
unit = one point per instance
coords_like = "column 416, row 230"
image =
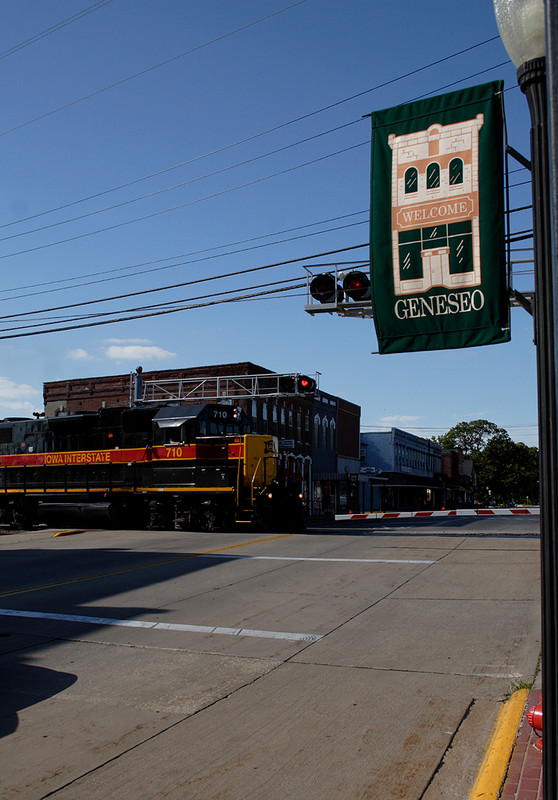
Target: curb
column 499, row 748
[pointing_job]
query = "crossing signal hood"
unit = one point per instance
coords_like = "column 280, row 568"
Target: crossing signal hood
column 356, row 285
column 305, row 385
column 325, row 289
column 287, row 384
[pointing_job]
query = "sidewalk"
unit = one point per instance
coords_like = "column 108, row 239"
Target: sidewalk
column 523, row 780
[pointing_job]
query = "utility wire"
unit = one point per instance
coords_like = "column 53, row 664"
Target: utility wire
column 254, row 136
column 19, row 316
column 179, row 185
column 233, row 274
column 53, row 28
column 185, row 205
column 173, row 305
column 180, row 255
column 146, row 315
column 150, row 69
column 190, row 261
column 217, row 172
column 214, row 194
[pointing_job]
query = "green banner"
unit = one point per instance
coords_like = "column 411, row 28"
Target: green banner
column 437, row 250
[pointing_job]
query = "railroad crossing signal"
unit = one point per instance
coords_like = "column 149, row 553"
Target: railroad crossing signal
column 342, row 292
column 297, row 384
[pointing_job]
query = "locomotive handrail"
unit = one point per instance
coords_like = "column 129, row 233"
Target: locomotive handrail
column 264, row 459
column 252, row 494
column 238, row 482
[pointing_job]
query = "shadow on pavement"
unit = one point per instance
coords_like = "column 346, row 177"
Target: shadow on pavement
column 23, row 685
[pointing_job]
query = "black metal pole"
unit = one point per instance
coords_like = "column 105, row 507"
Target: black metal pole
column 532, row 80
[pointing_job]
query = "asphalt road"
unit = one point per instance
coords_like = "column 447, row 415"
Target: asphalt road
column 356, row 660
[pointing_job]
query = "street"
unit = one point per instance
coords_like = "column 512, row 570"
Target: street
column 355, row 660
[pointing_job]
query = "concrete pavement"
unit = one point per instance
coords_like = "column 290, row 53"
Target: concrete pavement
column 417, row 639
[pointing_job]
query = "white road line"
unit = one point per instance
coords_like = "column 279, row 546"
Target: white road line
column 312, row 558
column 167, row 626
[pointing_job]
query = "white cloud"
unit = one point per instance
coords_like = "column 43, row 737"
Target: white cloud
column 79, row 354
column 12, row 391
column 17, row 399
column 23, row 408
column 137, row 352
column 123, row 350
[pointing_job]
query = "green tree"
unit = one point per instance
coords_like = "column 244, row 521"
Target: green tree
column 506, row 471
column 510, row 470
column 469, row 437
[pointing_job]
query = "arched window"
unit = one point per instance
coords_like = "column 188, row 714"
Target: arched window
column 332, row 432
column 411, row 180
column 433, row 176
column 317, row 430
column 455, row 171
column 325, row 438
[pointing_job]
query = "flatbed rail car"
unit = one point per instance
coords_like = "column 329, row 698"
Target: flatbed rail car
column 177, row 467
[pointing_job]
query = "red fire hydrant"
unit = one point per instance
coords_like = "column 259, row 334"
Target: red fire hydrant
column 535, row 720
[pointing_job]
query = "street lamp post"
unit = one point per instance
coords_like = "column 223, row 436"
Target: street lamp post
column 522, row 27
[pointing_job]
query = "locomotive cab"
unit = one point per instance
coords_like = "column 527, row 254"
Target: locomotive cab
column 186, row 424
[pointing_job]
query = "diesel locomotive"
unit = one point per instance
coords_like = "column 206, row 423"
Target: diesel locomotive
column 190, row 467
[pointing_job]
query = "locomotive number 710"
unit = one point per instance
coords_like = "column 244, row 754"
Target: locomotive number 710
column 174, row 452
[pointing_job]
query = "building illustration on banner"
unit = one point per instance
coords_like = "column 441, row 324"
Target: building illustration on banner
column 435, row 207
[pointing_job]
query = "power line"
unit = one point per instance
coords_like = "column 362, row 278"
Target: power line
column 146, row 315
column 258, row 135
column 209, row 175
column 184, row 263
column 181, row 255
column 176, row 185
column 165, row 307
column 233, row 274
column 514, row 237
column 206, row 197
column 53, row 28
column 185, row 205
column 173, row 305
column 150, row 69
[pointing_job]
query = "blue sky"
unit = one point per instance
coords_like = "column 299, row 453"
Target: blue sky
column 147, row 144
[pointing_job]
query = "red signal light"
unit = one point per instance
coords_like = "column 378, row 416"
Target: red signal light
column 305, row 385
column 356, row 285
